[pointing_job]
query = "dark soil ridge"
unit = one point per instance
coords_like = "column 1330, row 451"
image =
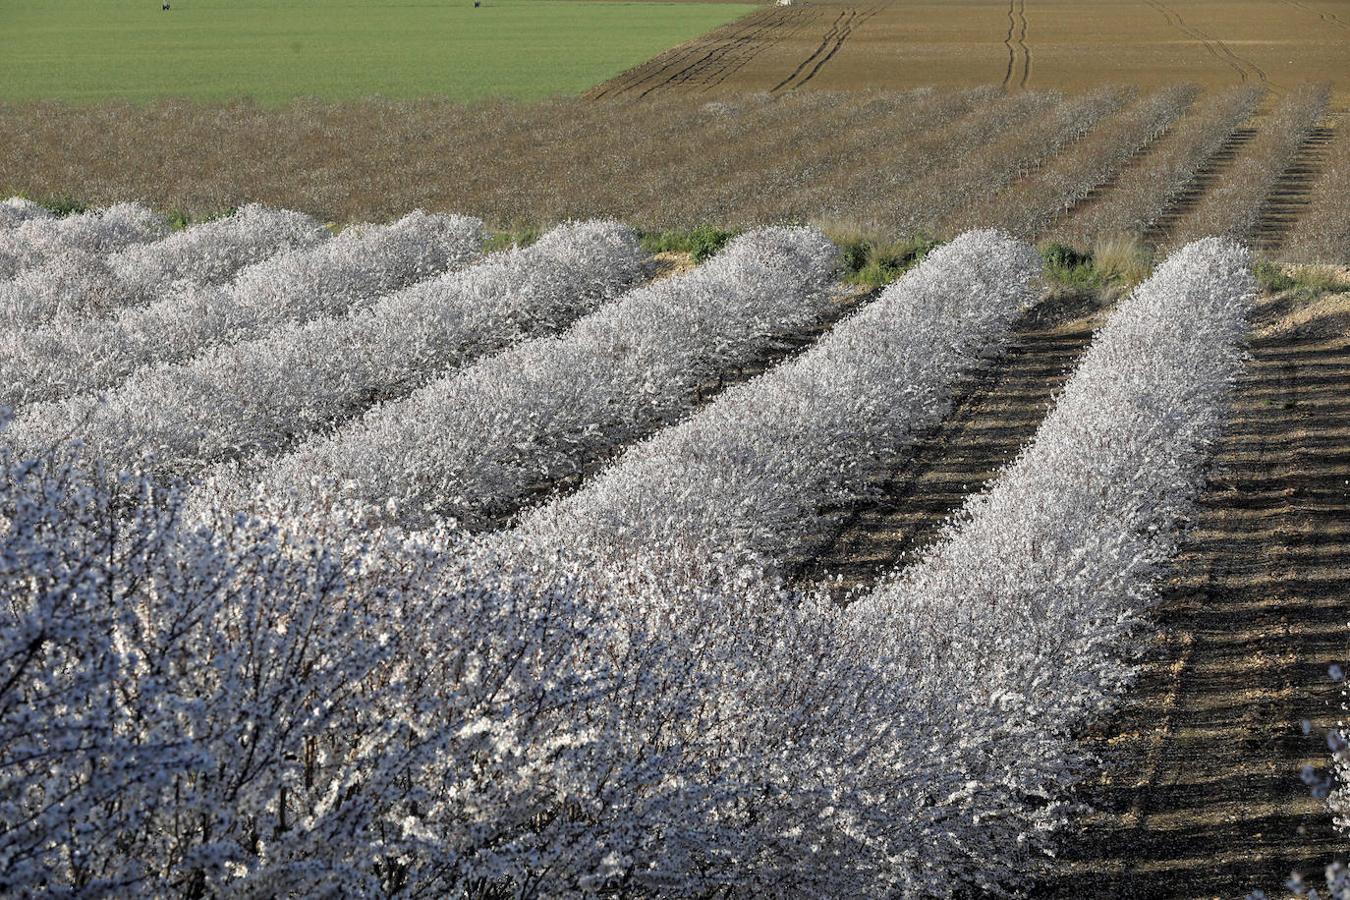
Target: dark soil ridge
column 705, row 57
column 1200, row 795
column 997, row 411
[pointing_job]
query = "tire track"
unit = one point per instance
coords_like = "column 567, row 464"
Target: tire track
column 1008, row 42
column 830, row 44
column 838, row 44
column 1022, row 42
column 1329, row 18
column 797, row 25
column 1245, row 68
column 844, row 15
column 1016, row 42
column 651, row 69
column 748, row 28
column 768, row 24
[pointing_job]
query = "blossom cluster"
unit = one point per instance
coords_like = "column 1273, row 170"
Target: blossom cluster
column 35, row 238
column 260, row 397
column 617, row 697
column 308, row 277
column 475, row 444
column 18, row 209
column 749, row 472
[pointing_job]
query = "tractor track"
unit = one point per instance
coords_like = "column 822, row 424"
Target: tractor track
column 744, row 59
column 1245, row 68
column 719, row 51
column 833, row 40
column 844, row 15
column 996, row 412
column 676, row 64
column 1016, row 43
column 1328, row 18
column 843, row 35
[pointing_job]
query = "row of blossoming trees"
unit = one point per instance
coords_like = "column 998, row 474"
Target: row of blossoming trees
column 243, row 650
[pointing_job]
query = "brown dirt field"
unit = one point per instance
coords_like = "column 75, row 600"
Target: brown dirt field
column 1041, row 44
column 881, row 164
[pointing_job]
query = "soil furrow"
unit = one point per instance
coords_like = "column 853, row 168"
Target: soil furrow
column 1201, row 795
column 997, row 411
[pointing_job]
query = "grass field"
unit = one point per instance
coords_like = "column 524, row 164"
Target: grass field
column 88, row 50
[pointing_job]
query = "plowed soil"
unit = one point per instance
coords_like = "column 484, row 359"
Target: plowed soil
column 1065, row 44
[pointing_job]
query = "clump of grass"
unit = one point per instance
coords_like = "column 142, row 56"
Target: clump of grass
column 1121, row 260
column 872, row 259
column 64, row 206
column 1308, row 281
column 1070, row 267
column 700, row 242
column 1274, row 279
column 1111, row 262
column 504, row 240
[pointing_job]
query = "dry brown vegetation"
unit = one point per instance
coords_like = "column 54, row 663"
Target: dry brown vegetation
column 1323, row 231
column 1108, row 164
column 1135, row 201
column 1233, row 206
column 1032, row 203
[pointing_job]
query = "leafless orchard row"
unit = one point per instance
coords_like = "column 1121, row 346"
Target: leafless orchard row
column 1076, row 168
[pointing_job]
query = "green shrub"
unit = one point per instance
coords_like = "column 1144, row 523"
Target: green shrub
column 503, row 240
column 699, row 242
column 874, row 263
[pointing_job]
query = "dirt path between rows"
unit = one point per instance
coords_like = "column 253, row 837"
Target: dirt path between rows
column 1201, row 795
column 997, row 410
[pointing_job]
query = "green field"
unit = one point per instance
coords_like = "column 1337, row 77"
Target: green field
column 87, row 50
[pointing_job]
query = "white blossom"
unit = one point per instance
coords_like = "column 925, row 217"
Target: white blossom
column 308, row 277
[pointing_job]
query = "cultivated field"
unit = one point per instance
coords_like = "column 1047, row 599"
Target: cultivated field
column 548, row 569
column 1042, row 44
column 897, row 450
